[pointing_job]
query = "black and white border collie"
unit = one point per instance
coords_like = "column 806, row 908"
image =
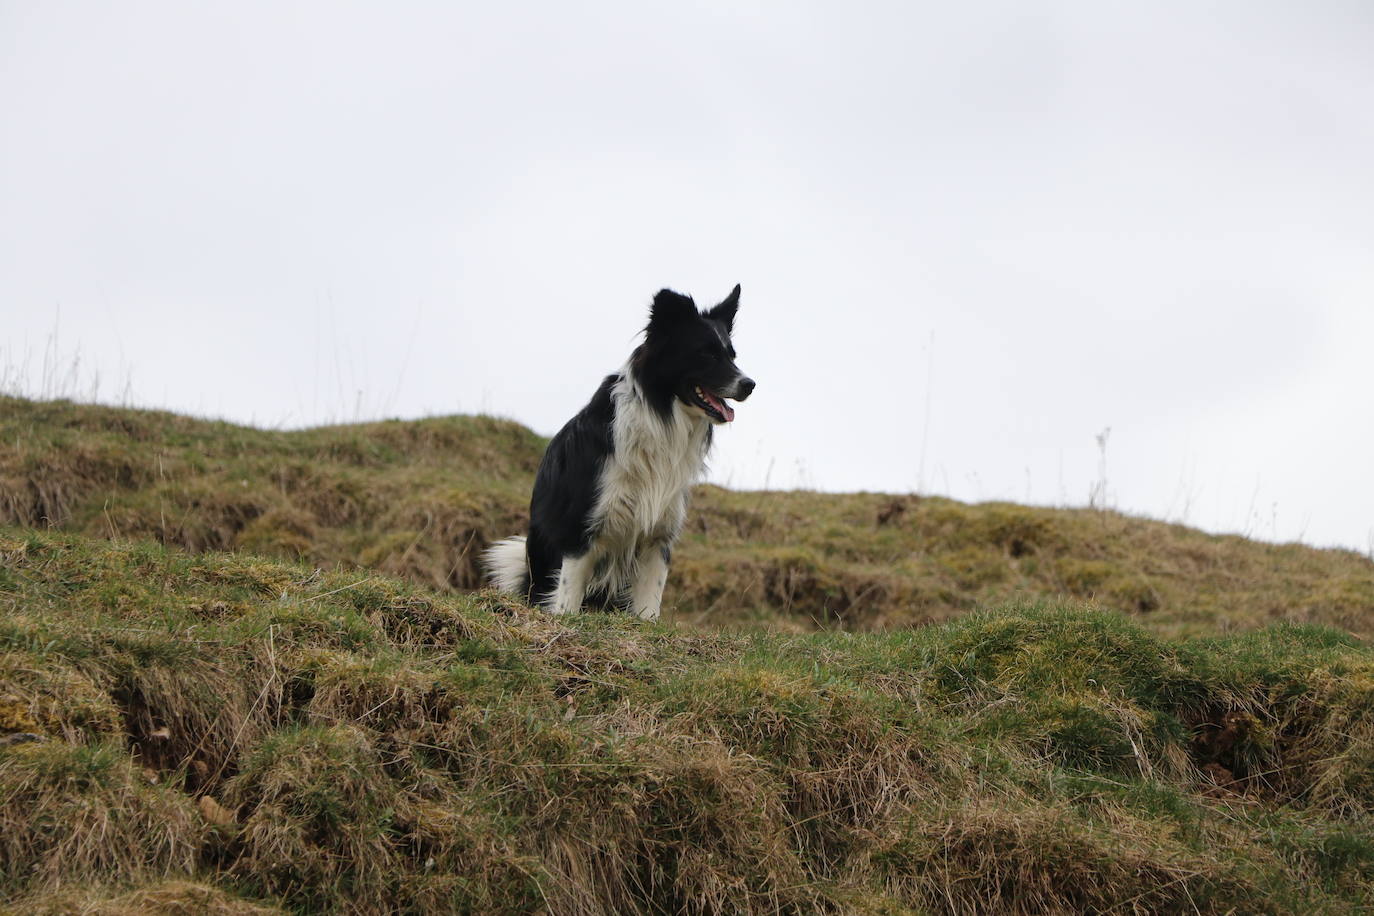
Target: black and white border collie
column 610, row 497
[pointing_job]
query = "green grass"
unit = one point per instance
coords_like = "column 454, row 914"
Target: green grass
column 415, row 499
column 245, row 671
column 420, row 499
column 220, row 732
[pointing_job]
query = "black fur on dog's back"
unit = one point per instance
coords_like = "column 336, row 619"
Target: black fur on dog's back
column 565, row 489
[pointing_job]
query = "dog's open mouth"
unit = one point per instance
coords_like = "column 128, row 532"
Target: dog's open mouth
column 713, row 404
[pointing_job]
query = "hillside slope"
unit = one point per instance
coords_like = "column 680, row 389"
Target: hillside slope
column 420, row 499
column 226, row 734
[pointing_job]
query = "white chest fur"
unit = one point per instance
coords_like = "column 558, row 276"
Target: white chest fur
column 645, row 483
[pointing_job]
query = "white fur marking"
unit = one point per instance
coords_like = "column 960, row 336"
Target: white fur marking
column 507, row 564
column 572, row 584
column 646, row 594
column 642, row 495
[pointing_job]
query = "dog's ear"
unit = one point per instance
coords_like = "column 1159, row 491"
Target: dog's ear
column 726, row 310
column 669, row 308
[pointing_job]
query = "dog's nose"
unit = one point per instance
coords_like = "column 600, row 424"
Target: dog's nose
column 745, row 388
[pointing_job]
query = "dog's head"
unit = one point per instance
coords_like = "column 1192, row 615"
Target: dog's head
column 687, row 356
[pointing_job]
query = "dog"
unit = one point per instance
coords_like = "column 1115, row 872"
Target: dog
column 610, row 496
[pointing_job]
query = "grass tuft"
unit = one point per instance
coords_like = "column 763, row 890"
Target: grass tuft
column 86, row 813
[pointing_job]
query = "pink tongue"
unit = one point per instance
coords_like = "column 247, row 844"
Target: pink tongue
column 725, row 409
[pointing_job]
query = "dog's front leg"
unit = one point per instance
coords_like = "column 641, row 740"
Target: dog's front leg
column 651, row 573
column 572, row 584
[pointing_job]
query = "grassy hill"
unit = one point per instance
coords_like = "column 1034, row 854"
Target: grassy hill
column 243, row 672
column 222, row 733
column 421, row 499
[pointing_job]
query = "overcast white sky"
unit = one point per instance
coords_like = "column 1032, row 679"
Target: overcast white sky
column 971, row 236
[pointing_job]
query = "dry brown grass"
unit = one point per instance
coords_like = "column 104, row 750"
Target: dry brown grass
column 162, row 898
column 813, row 559
column 228, row 732
column 1009, row 855
column 417, row 499
column 83, row 813
column 213, row 732
column 421, row 499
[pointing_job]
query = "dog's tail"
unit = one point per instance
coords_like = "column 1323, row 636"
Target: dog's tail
column 506, row 565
